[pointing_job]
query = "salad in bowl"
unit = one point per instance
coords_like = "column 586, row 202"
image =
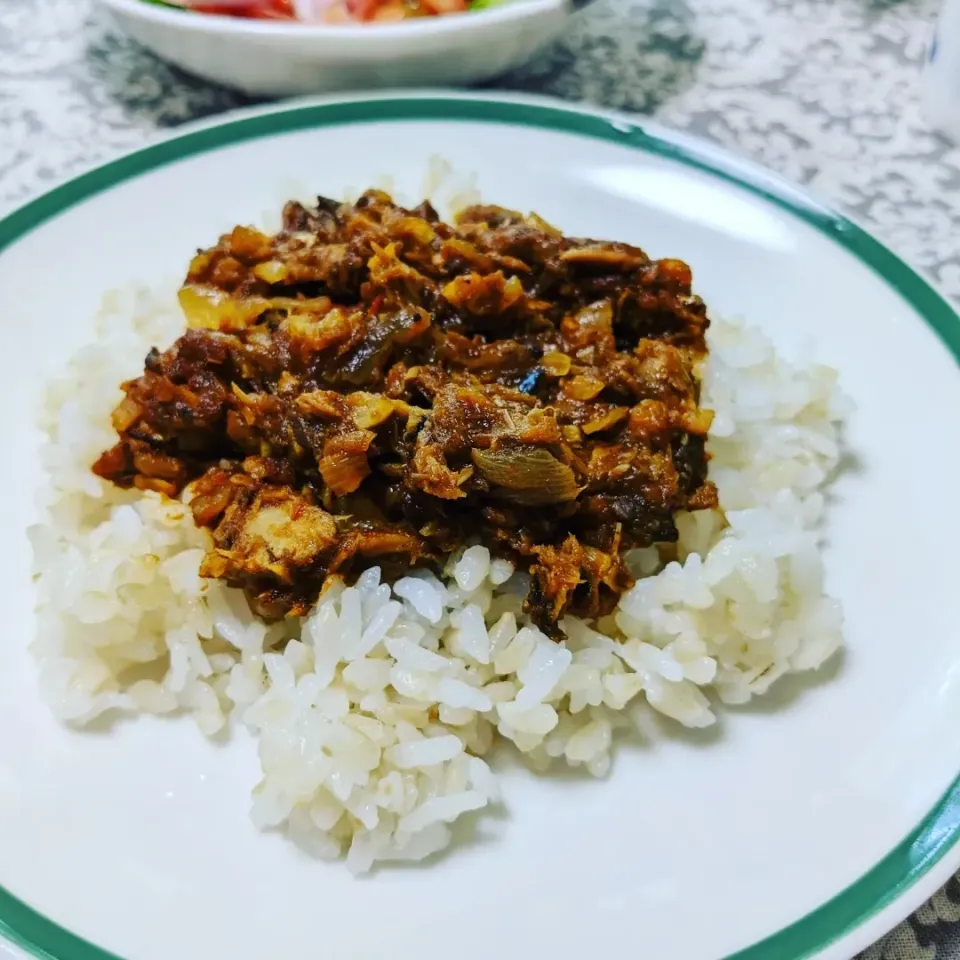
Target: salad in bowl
column 278, row 48
column 329, row 11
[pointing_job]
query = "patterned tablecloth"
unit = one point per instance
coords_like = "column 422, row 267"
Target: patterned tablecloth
column 824, row 91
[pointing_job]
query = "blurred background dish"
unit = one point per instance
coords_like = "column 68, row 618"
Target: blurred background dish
column 285, row 57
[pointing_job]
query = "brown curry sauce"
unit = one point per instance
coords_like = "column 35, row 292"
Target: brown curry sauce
column 374, row 386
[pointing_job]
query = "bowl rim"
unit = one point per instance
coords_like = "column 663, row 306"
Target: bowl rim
column 218, row 24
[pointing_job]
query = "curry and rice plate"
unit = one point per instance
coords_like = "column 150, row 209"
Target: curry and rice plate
column 403, row 486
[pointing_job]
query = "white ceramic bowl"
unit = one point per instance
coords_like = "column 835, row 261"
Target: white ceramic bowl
column 282, row 59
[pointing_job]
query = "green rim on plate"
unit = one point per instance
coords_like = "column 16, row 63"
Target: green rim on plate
column 917, row 853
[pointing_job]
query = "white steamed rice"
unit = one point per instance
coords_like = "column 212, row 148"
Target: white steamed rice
column 373, row 720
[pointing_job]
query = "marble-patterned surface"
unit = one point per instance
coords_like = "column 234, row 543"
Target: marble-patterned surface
column 824, row 91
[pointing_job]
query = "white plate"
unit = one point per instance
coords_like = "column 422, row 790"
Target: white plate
column 268, row 58
column 807, row 824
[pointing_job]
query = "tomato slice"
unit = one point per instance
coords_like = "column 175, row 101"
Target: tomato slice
column 362, row 9
column 254, row 9
column 444, row 6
